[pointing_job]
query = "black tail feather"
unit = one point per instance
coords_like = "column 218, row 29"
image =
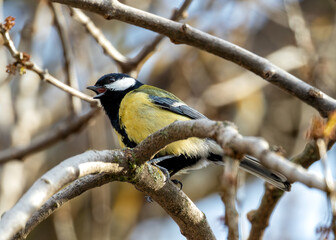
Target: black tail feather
column 254, row 167
column 180, row 164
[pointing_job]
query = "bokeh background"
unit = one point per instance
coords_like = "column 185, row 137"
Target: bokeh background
column 299, row 36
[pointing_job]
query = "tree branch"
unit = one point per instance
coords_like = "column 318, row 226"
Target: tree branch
column 226, row 92
column 100, row 38
column 70, row 79
column 126, row 64
column 51, row 182
column 22, row 60
column 71, row 191
column 48, row 138
column 227, row 136
column 119, row 165
column 259, row 218
column 183, row 33
column 147, row 50
column 229, row 185
column 329, row 180
column 128, row 165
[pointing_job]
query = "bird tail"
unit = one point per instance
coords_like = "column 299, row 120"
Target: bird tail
column 253, row 166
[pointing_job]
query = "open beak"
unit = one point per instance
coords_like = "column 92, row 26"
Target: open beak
column 99, row 90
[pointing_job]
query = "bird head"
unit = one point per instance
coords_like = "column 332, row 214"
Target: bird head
column 113, row 82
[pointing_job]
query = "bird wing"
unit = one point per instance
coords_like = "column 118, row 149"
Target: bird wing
column 168, row 101
column 176, row 106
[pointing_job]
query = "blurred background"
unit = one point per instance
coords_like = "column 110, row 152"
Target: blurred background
column 298, row 36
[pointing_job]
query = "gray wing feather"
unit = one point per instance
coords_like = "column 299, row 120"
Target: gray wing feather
column 176, row 107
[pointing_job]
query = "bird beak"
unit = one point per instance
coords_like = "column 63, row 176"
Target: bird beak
column 99, row 90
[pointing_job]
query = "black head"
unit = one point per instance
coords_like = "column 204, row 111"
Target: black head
column 113, row 82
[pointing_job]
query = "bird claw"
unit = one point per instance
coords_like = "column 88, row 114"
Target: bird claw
column 177, row 182
column 149, row 199
column 165, row 171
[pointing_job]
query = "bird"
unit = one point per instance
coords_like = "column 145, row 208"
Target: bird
column 137, row 110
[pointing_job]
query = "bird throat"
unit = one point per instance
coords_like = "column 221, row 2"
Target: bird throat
column 111, row 102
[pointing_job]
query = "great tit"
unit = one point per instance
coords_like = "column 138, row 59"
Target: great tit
column 137, row 110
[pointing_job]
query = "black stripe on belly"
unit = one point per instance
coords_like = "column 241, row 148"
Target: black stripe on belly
column 111, row 103
column 128, row 143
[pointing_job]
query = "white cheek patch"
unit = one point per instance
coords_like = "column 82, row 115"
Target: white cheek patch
column 122, row 84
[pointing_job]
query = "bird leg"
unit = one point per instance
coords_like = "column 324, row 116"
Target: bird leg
column 155, row 162
column 177, row 182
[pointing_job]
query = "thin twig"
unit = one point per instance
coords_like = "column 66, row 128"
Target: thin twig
column 229, row 187
column 299, row 27
column 70, row 79
column 327, row 172
column 177, row 15
column 22, row 60
column 126, row 64
column 322, row 147
column 259, row 218
column 185, row 34
column 304, row 41
column 100, row 38
column 64, row 224
column 48, row 138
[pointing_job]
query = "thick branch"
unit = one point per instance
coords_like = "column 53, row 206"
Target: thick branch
column 166, row 194
column 175, row 202
column 51, row 182
column 192, row 222
column 228, row 137
column 182, row 33
column 128, row 166
column 71, row 191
